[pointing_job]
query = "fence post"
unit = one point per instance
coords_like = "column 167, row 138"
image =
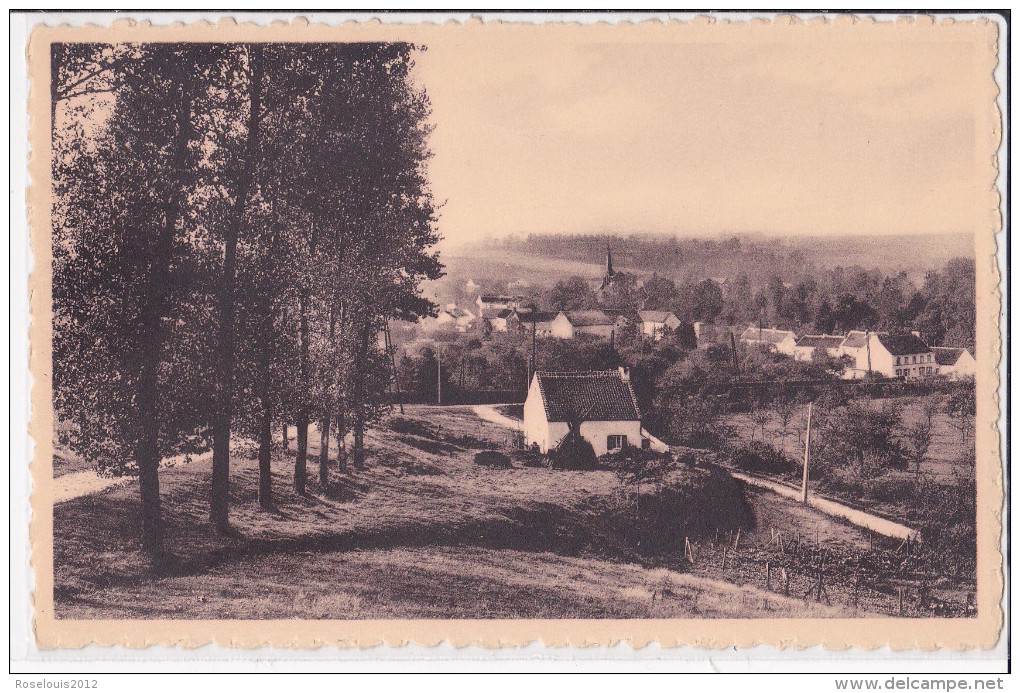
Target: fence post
column 768, row 576
column 724, row 558
column 736, row 542
column 901, row 600
column 786, row 583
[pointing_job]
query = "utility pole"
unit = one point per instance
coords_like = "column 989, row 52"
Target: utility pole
column 733, row 348
column 534, row 329
column 439, row 374
column 867, row 346
column 807, row 456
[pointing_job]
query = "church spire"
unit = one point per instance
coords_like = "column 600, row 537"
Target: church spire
column 609, row 262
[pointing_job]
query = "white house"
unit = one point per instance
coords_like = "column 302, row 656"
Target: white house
column 854, row 343
column 810, row 344
column 782, row 341
column 452, row 316
column 500, row 320
column 896, row 356
column 593, row 322
column 954, row 363
column 655, row 323
column 541, row 322
column 491, row 302
column 602, row 401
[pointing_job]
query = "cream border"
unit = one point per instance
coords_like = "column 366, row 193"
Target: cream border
column 981, row 632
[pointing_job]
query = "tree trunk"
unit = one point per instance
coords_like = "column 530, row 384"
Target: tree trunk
column 148, row 458
column 324, row 449
column 219, row 504
column 152, row 339
column 341, row 437
column 358, row 403
column 300, row 462
column 286, row 439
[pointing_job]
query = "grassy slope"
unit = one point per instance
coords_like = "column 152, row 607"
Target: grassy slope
column 423, row 533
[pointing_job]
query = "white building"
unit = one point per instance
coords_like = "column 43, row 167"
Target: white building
column 656, row 323
column 500, row 320
column 811, row 344
column 896, row 356
column 602, row 401
column 542, row 323
column 854, row 343
column 954, row 363
column 491, row 302
column 593, row 322
column 782, row 341
column 458, row 318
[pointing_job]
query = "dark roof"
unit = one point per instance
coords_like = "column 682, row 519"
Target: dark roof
column 588, row 396
column 490, row 298
column 824, row 341
column 899, row 344
column 538, row 316
column 589, row 318
column 494, row 313
column 768, row 334
column 855, row 339
column 947, row 356
column 654, row 315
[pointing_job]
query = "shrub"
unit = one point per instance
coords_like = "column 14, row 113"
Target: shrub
column 494, row 459
column 530, row 458
column 691, row 503
column 762, row 458
column 574, row 453
column 414, row 427
column 637, row 466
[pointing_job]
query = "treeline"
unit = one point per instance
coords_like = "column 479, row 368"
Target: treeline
column 834, row 301
column 232, row 226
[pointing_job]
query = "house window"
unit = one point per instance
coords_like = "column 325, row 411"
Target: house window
column 915, row 359
column 898, row 372
column 897, row 362
column 615, row 442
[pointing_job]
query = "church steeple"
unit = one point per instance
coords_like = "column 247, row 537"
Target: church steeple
column 609, row 262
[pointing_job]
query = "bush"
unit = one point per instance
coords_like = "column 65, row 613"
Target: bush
column 494, row 459
column 530, row 458
column 636, row 466
column 574, row 453
column 414, row 427
column 762, row 458
column 691, row 503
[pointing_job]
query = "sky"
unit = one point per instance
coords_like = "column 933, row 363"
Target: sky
column 708, row 133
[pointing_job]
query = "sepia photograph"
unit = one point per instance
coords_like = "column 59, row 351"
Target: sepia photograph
column 669, row 323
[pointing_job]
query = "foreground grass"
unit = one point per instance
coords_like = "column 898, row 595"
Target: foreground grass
column 424, row 532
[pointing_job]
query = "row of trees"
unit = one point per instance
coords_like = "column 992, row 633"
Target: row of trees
column 826, row 301
column 232, row 225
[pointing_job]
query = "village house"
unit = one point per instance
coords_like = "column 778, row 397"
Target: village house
column 895, row 356
column 782, row 341
column 954, row 363
column 854, row 343
column 541, row 322
column 810, row 344
column 501, row 320
column 591, row 322
column 492, row 302
column 458, row 318
column 601, row 402
column 656, row 323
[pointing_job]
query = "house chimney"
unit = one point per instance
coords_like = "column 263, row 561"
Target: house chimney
column 624, row 374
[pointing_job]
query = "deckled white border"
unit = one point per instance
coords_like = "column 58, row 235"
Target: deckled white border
column 25, row 655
